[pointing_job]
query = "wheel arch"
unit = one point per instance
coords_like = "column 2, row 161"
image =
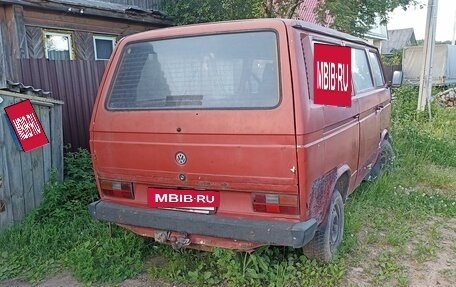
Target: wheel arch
column 323, row 188
column 385, row 135
column 343, row 181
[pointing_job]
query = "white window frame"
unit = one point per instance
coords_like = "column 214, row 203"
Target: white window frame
column 102, row 37
column 57, row 33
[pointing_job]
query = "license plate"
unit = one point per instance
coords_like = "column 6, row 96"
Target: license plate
column 185, row 200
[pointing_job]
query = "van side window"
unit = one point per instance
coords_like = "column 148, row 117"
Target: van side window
column 360, row 71
column 376, row 70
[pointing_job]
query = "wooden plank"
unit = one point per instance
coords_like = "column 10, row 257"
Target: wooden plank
column 8, row 214
column 5, row 58
column 2, row 52
column 33, row 168
column 52, row 20
column 98, row 13
column 37, row 99
column 38, row 164
column 35, row 42
column 20, row 33
column 14, row 41
column 83, row 42
column 27, row 181
column 14, row 171
column 37, row 174
column 145, row 4
column 56, row 139
column 6, row 217
column 47, row 158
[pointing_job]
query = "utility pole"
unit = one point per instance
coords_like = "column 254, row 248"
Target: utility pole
column 429, row 44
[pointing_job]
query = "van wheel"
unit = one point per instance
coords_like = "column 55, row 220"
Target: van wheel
column 328, row 237
column 384, row 160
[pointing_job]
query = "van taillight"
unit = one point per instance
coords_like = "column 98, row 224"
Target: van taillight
column 275, row 203
column 117, row 188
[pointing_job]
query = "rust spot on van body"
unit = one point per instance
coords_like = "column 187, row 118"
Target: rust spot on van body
column 199, row 242
column 321, row 194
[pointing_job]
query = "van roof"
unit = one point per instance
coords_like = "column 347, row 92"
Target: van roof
column 299, row 24
column 311, row 27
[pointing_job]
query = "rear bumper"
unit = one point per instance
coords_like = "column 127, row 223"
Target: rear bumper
column 271, row 232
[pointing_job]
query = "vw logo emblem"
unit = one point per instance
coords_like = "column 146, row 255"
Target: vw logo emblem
column 181, row 158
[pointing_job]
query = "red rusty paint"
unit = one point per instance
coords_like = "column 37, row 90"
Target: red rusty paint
column 321, row 194
column 200, row 242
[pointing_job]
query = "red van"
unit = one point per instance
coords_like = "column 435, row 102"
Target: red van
column 229, row 110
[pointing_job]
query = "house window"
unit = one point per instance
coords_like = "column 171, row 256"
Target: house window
column 58, row 46
column 103, row 46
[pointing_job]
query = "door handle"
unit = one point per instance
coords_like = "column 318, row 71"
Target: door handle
column 379, row 108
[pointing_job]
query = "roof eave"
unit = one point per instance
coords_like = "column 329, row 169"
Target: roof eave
column 82, row 10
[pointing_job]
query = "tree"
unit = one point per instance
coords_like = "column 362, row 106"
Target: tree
column 279, row 8
column 351, row 16
column 201, row 11
column 394, row 58
column 356, row 16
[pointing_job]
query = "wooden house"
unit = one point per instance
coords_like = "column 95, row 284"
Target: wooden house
column 62, row 46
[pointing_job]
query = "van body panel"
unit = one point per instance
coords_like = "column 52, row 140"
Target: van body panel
column 370, row 133
column 227, row 150
column 327, row 136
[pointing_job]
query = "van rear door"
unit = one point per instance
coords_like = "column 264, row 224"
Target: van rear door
column 204, row 112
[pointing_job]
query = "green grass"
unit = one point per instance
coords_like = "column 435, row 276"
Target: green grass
column 60, row 234
column 391, row 223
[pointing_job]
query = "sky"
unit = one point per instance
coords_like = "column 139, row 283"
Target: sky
column 415, row 18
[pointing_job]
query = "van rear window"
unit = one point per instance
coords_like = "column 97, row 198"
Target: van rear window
column 238, row 70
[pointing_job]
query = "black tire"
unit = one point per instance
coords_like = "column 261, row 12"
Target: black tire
column 383, row 162
column 328, row 237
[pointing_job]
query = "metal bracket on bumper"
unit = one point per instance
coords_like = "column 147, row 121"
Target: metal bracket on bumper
column 271, row 232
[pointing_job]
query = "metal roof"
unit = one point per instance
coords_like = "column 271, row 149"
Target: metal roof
column 28, row 90
column 398, row 39
column 312, row 27
column 306, row 12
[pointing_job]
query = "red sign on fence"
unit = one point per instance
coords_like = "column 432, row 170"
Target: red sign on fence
column 26, row 125
column 332, row 75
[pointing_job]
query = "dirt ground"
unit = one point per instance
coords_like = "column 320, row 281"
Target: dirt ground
column 66, row 280
column 439, row 270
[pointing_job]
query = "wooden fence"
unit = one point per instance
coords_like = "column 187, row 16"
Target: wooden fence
column 73, row 82
column 24, row 175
